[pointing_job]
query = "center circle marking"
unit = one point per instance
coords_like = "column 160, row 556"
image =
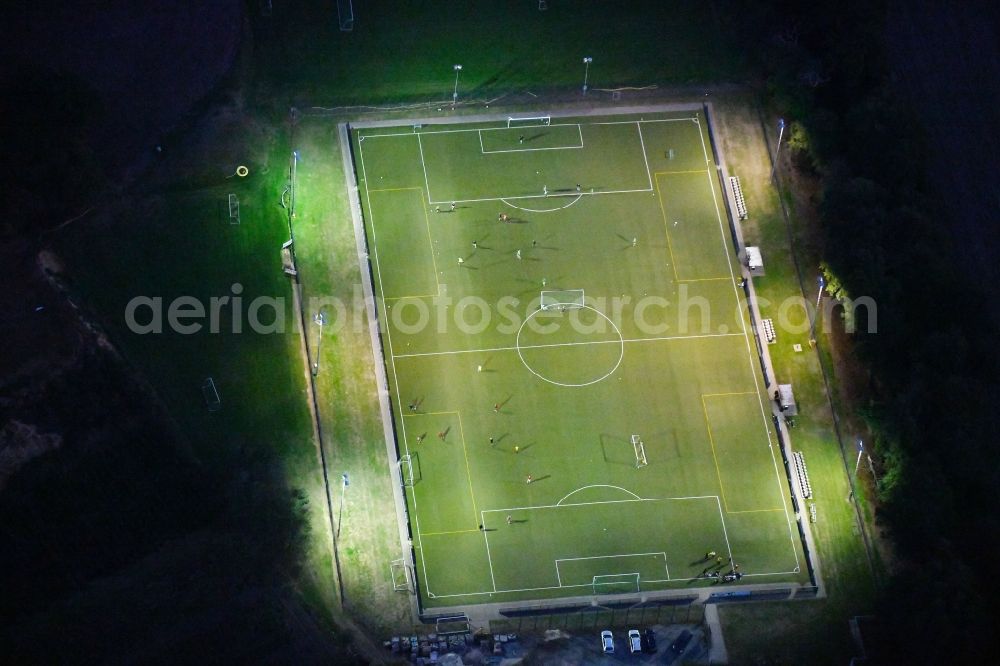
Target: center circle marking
column 621, row 351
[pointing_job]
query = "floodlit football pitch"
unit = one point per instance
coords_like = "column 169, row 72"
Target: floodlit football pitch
column 577, row 402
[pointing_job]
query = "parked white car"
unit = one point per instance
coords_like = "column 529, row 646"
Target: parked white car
column 634, row 641
column 607, row 642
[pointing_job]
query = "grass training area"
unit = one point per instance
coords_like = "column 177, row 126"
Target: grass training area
column 577, row 402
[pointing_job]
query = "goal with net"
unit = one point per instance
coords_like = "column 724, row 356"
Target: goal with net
column 402, row 576
column 617, row 583
column 533, row 121
column 640, row 451
column 211, row 395
column 405, row 466
column 562, row 299
column 234, row 209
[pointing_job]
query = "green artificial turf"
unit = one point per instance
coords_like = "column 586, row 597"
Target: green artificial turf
column 487, row 390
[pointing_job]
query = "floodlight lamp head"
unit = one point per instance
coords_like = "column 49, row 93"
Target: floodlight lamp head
column 588, row 60
column 458, row 67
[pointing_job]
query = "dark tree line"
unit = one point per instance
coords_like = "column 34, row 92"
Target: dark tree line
column 117, row 544
column 934, row 390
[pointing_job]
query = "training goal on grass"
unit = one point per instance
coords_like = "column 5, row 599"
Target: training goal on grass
column 617, row 583
column 562, row 299
column 402, row 577
column 533, row 121
column 640, row 451
column 234, row 209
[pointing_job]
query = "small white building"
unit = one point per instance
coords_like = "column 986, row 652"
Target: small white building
column 755, row 262
column 786, row 400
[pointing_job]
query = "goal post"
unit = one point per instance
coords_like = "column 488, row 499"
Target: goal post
column 234, row 209
column 529, row 121
column 640, row 451
column 562, row 299
column 211, row 395
column 345, row 15
column 405, row 467
column 401, row 576
column 617, row 583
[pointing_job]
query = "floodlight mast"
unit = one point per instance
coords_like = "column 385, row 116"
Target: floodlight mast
column 343, row 489
column 586, row 72
column 781, row 132
column 454, row 94
column 320, row 320
column 819, row 295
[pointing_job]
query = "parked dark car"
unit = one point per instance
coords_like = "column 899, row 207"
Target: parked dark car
column 649, row 641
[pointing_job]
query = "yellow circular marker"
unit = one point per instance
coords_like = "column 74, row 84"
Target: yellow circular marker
column 242, row 171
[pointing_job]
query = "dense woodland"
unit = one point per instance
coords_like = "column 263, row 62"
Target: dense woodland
column 934, row 360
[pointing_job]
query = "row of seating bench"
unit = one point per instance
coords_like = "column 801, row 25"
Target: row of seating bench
column 768, row 325
column 802, row 474
column 741, row 205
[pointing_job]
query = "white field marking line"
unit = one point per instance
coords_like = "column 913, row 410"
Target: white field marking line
column 651, row 120
column 566, row 344
column 528, row 150
column 621, row 353
column 645, row 159
column 489, row 558
column 483, row 129
column 725, row 533
column 427, row 184
column 376, row 135
column 597, row 485
column 622, row 501
column 561, row 586
column 537, row 196
column 543, row 210
column 637, row 574
column 750, row 361
column 395, row 375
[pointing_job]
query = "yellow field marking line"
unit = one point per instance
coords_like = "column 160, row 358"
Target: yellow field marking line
column 666, row 230
column 465, row 453
column 417, row 297
column 715, row 279
column 468, row 470
column 430, row 239
column 428, row 414
column 427, row 534
column 711, row 441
